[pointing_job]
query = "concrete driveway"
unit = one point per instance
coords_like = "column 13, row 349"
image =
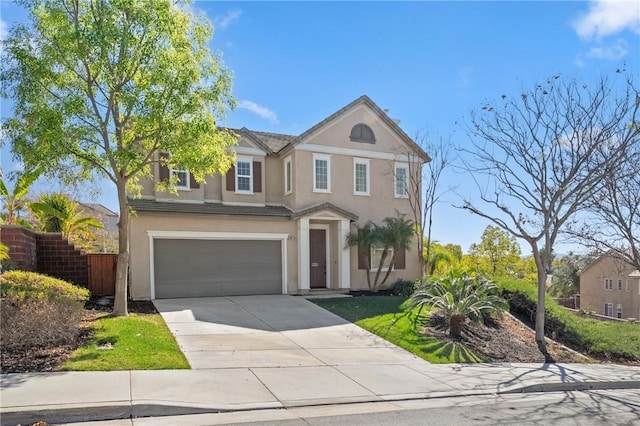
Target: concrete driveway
column 272, row 331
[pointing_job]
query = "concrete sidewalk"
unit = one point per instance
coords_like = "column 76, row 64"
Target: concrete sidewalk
column 81, row 396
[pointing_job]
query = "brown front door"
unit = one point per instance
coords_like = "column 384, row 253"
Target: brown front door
column 318, row 257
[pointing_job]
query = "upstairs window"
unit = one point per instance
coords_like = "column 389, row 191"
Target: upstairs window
column 362, row 133
column 244, row 177
column 608, row 284
column 288, row 176
column 182, row 178
column 401, row 178
column 619, row 285
column 321, row 173
column 360, row 176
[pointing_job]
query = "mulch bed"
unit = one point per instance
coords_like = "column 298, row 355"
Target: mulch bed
column 502, row 339
column 50, row 359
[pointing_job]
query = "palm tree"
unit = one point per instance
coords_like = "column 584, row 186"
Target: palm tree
column 58, row 213
column 4, row 252
column 394, row 235
column 14, row 202
column 460, row 297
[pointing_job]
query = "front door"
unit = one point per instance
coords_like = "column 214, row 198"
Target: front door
column 318, row 257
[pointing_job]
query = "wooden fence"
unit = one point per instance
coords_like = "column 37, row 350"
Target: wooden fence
column 102, row 273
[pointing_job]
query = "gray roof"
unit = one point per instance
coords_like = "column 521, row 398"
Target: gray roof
column 268, row 142
column 98, row 208
column 151, row 206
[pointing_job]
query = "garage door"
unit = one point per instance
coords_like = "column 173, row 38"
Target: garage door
column 194, row 268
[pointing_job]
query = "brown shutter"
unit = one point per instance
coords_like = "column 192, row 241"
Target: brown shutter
column 257, row 176
column 364, row 257
column 192, row 182
column 398, row 262
column 231, row 179
column 164, row 170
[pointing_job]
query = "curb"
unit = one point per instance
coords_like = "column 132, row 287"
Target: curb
column 100, row 412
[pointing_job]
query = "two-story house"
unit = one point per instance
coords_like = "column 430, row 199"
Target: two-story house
column 276, row 223
column 611, row 287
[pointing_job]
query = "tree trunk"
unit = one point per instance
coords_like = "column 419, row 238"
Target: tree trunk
column 120, row 301
column 540, row 307
column 456, row 323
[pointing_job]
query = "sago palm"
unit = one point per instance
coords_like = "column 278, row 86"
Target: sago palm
column 460, row 297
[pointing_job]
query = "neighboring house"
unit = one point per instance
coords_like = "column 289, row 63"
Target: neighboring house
column 610, row 287
column 276, row 222
column 106, row 239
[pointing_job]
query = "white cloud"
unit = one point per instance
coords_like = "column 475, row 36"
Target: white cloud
column 263, row 112
column 607, row 17
column 3, row 29
column 224, row 21
column 612, row 52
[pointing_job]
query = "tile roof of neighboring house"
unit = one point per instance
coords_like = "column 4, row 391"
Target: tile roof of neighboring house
column 143, row 205
column 324, row 206
column 98, row 208
column 277, row 142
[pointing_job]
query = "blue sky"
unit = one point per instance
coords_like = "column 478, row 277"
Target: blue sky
column 429, row 63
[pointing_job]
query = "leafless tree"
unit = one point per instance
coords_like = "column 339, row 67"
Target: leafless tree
column 424, row 188
column 614, row 223
column 540, row 157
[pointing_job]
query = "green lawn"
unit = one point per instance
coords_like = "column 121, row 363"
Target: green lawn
column 139, row 342
column 388, row 317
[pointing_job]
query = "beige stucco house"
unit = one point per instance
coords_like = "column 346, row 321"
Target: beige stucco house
column 611, row 287
column 276, row 222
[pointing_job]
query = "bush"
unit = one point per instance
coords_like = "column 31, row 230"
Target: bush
column 404, row 288
column 21, row 286
column 37, row 311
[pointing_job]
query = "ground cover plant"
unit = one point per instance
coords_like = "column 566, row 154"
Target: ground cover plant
column 606, row 340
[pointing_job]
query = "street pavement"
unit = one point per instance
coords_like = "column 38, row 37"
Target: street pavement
column 318, row 359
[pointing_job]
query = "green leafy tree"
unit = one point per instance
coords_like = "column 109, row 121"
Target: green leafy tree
column 106, row 85
column 498, row 248
column 58, row 213
column 566, row 279
column 460, row 296
column 442, row 258
column 14, row 202
column 393, row 235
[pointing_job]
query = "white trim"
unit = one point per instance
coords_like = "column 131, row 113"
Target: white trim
column 240, row 203
column 203, row 235
column 344, row 258
column 177, row 200
column 366, row 162
column 374, row 268
column 212, row 201
column 352, row 152
column 244, row 159
column 400, row 165
column 326, row 158
column 326, row 229
column 248, row 150
column 187, row 186
column 287, row 161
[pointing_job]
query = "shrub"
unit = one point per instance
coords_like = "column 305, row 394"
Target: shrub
column 403, row 288
column 460, row 296
column 37, row 311
column 21, row 286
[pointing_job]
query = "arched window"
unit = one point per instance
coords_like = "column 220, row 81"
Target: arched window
column 362, row 133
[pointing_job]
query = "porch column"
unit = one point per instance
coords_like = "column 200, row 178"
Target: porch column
column 344, row 263
column 303, row 255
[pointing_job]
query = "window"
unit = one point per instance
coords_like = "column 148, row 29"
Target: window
column 619, row 285
column 619, row 311
column 321, row 173
column 288, row 176
column 401, row 186
column 244, row 177
column 362, row 133
column 360, row 176
column 608, row 309
column 608, row 284
column 376, row 255
column 182, row 178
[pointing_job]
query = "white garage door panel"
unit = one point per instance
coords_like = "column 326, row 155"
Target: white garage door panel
column 200, row 268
